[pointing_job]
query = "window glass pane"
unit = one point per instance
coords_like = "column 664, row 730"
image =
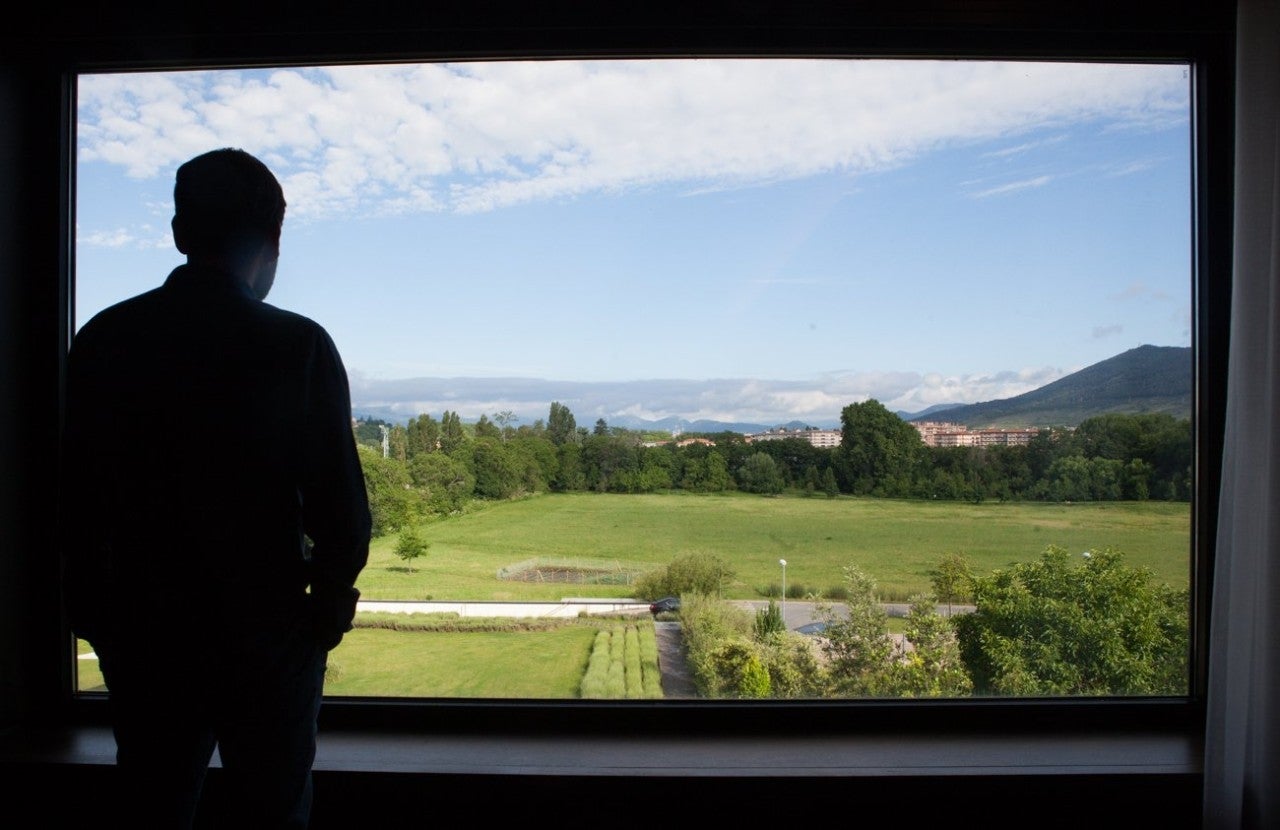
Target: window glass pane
column 796, row 344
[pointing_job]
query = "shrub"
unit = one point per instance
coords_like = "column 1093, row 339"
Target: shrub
column 738, row 670
column 691, row 573
column 769, row 622
column 1095, row 627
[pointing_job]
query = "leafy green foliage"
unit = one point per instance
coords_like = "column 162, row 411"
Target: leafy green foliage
column 760, row 474
column 769, row 622
column 561, row 426
column 858, row 645
column 693, row 573
column 1091, row 627
column 410, row 545
column 931, row 664
column 444, row 483
column 387, row 484
column 880, row 454
column 740, row 671
column 952, row 579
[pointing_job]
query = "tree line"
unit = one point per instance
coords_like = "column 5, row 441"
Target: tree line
column 437, row 466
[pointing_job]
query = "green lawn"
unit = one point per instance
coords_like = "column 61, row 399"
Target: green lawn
column 897, row 542
column 471, row 664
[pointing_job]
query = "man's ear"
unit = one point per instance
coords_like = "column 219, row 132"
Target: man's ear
column 179, row 235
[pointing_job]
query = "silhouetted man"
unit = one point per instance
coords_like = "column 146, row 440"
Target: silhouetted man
column 216, row 517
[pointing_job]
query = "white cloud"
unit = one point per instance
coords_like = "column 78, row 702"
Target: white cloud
column 145, row 237
column 473, row 137
column 1013, row 187
column 118, row 238
column 1140, row 291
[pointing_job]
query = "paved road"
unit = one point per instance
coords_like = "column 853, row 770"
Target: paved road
column 796, row 613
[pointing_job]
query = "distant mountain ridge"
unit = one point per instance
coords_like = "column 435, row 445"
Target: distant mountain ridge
column 1146, row 379
column 1143, row 379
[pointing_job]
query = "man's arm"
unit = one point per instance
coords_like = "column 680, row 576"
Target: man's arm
column 335, row 505
column 84, row 550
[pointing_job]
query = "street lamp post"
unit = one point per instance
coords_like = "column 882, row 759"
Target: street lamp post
column 783, row 563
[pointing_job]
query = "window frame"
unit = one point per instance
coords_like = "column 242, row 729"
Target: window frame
column 1137, row 31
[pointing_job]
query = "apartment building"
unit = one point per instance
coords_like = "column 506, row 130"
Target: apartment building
column 946, row 434
column 824, row 438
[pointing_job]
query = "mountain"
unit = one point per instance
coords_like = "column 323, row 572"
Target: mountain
column 1144, row 379
column 925, row 414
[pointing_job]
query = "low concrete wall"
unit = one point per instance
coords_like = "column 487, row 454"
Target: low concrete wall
column 563, row 608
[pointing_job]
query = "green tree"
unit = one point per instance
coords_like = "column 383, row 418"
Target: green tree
column 931, row 665
column 561, row 426
column 760, row 474
column 858, row 646
column 828, row 483
column 952, row 579
column 389, row 489
column 497, row 476
column 398, row 443
column 410, row 545
column 444, row 483
column 487, row 429
column 452, row 435
column 880, row 453
column 422, row 435
column 568, row 474
column 1091, row 627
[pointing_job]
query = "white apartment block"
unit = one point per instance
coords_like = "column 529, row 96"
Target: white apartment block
column 947, row 434
column 823, row 438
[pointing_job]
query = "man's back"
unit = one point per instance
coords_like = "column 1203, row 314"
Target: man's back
column 208, row 420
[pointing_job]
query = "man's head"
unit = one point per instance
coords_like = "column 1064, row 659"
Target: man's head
column 228, row 210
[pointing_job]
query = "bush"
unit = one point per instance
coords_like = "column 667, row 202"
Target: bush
column 1094, row 626
column 769, row 622
column 691, row 573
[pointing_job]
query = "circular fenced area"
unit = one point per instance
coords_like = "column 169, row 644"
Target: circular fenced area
column 583, row 572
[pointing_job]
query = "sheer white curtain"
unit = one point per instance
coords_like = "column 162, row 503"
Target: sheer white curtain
column 1242, row 744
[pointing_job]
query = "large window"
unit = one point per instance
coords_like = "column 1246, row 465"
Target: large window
column 818, row 323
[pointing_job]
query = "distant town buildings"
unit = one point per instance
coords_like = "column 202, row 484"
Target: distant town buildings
column 825, row 438
column 932, row 433
column 947, row 434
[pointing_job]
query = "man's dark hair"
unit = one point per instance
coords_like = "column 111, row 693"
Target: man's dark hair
column 223, row 200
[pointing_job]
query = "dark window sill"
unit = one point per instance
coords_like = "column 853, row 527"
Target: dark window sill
column 1065, row 775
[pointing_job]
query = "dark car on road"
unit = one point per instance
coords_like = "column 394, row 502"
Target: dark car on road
column 666, row 604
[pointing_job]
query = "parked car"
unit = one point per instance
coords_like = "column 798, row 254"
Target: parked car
column 669, row 604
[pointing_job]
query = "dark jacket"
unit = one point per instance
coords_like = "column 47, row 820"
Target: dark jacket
column 211, row 472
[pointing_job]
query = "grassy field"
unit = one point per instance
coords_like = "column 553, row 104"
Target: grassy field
column 897, row 542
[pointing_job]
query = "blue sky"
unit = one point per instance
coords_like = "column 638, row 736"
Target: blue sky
column 757, row 241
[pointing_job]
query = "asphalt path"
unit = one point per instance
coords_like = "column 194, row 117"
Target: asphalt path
column 797, row 613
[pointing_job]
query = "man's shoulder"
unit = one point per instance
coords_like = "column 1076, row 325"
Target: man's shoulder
column 121, row 315
column 296, row 325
